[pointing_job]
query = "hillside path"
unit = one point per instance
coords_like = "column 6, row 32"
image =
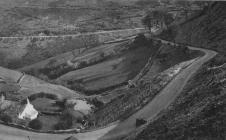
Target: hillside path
column 70, row 35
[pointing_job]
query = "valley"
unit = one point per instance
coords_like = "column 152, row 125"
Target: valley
column 110, row 70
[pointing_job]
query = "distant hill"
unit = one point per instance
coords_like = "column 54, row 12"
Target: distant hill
column 65, row 2
column 31, row 17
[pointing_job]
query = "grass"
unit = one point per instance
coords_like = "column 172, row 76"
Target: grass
column 34, row 18
column 199, row 111
column 52, row 120
column 114, row 71
column 132, row 100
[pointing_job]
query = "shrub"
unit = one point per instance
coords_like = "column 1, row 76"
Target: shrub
column 60, row 103
column 140, row 40
column 83, row 64
column 140, row 122
column 102, row 55
column 35, row 124
column 97, row 103
column 5, row 118
column 65, row 122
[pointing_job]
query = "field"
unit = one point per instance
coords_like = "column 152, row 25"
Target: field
column 115, row 71
column 64, row 57
column 105, row 69
column 66, row 17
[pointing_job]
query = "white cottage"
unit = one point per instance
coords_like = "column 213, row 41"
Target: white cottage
column 29, row 112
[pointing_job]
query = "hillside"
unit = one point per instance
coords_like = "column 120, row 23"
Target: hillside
column 90, row 66
column 200, row 110
column 17, row 52
column 203, row 29
column 52, row 17
column 148, row 86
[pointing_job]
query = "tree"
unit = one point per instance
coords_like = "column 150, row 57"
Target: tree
column 186, row 5
column 140, row 40
column 2, row 58
column 66, row 121
column 97, row 103
column 168, row 19
column 157, row 18
column 5, row 118
column 147, row 21
column 35, row 124
column 85, row 41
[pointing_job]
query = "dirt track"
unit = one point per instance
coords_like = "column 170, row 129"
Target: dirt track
column 160, row 102
column 72, row 35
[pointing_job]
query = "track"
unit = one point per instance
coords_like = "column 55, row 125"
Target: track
column 72, row 35
column 160, row 102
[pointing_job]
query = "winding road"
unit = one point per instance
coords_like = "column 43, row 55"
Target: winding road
column 160, row 102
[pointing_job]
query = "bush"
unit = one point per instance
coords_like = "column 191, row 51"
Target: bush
column 140, row 122
column 102, row 55
column 5, row 118
column 140, row 40
column 97, row 103
column 83, row 64
column 61, row 104
column 66, row 122
column 35, row 124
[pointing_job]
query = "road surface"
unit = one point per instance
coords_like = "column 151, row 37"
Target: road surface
column 164, row 98
column 160, row 102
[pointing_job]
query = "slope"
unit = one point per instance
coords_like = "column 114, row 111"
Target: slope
column 199, row 111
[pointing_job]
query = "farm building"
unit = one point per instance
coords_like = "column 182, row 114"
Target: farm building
column 29, row 112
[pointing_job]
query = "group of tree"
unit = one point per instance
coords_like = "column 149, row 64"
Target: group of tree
column 66, row 121
column 5, row 118
column 140, row 39
column 156, row 18
column 35, row 124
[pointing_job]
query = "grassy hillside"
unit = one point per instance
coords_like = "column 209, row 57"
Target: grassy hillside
column 204, row 29
column 28, row 17
column 200, row 110
column 21, row 52
column 131, row 99
column 117, row 65
column 198, row 113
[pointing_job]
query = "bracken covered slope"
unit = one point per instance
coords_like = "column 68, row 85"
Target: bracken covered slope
column 208, row 30
column 200, row 110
